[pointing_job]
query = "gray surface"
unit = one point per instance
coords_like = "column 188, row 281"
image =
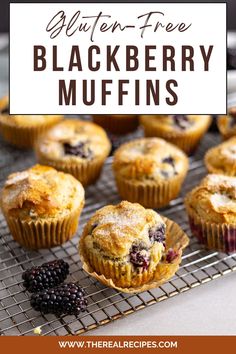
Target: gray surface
column 208, row 309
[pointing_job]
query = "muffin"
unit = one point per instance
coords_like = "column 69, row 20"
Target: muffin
column 131, row 248
column 149, row 171
column 227, row 124
column 185, row 131
column 117, row 123
column 211, row 208
column 222, row 158
column 23, row 130
column 76, row 147
column 42, row 206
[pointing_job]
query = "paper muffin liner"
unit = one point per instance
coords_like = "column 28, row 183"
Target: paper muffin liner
column 186, row 141
column 117, row 125
column 115, row 278
column 87, row 172
column 44, row 233
column 222, row 127
column 24, row 137
column 150, row 194
column 220, row 237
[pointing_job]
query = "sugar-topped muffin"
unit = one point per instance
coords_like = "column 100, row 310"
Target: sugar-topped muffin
column 42, row 206
column 117, row 123
column 222, row 158
column 126, row 245
column 185, row 131
column 211, row 207
column 76, row 147
column 149, row 171
column 23, row 130
column 227, row 124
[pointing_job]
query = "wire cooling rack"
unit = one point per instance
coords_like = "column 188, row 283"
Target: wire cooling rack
column 105, row 305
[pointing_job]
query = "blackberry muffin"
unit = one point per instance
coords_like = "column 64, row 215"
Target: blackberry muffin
column 42, row 206
column 227, row 124
column 149, row 171
column 76, row 147
column 185, row 131
column 117, row 123
column 131, row 248
column 23, row 130
column 211, row 207
column 222, row 158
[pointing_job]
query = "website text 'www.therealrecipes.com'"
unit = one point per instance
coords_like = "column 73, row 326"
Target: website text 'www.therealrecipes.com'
column 111, row 344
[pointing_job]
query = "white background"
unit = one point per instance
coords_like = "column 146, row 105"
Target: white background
column 199, row 92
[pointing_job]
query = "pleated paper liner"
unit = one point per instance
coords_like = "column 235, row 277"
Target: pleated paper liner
column 44, row 233
column 150, row 194
column 117, row 124
column 186, row 141
column 175, row 239
column 87, row 172
column 220, row 237
column 24, row 137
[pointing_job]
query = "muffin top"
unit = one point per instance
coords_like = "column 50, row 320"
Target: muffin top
column 227, row 123
column 222, row 158
column 41, row 192
column 178, row 123
column 119, row 230
column 74, row 139
column 150, row 159
column 214, row 200
column 24, row 120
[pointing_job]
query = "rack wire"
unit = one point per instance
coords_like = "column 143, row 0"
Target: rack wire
column 104, row 304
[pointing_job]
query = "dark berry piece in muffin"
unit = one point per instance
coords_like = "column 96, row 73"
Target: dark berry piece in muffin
column 64, row 299
column 5, row 110
column 158, row 234
column 171, row 255
column 45, row 276
column 81, row 149
column 139, row 257
column 181, row 121
column 169, row 160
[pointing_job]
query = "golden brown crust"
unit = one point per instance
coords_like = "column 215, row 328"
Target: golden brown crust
column 73, row 131
column 149, row 159
column 168, row 126
column 25, row 121
column 120, row 225
column 41, row 192
column 176, row 239
column 213, row 200
column 222, row 158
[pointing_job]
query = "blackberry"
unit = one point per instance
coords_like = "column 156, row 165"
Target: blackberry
column 63, row 299
column 158, row 234
column 45, row 276
column 181, row 121
column 139, row 257
column 171, row 255
column 5, row 110
column 169, row 160
column 81, row 149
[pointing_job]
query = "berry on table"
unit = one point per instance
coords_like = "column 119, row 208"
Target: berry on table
column 45, row 276
column 64, row 299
